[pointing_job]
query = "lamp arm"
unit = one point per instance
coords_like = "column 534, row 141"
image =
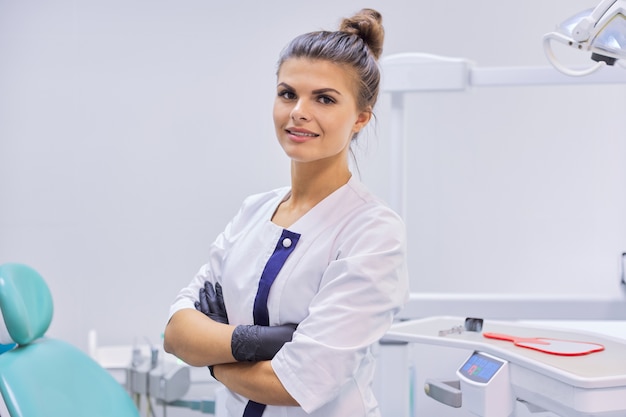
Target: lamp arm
column 601, row 9
column 582, row 31
column 547, row 47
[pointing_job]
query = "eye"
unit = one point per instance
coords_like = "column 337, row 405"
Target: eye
column 286, row 94
column 324, row 99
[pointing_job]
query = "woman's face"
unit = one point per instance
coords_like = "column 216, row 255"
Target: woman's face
column 315, row 111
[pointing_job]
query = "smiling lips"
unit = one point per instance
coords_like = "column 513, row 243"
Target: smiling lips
column 300, row 135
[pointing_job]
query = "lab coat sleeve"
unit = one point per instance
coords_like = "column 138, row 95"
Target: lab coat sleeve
column 359, row 295
column 187, row 296
column 212, row 270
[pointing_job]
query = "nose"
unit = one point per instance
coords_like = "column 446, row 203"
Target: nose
column 300, row 112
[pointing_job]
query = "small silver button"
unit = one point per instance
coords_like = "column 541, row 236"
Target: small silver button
column 286, row 242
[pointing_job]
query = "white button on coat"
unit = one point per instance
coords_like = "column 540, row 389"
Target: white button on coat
column 286, row 242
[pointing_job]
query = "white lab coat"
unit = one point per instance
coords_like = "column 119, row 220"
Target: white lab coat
column 342, row 284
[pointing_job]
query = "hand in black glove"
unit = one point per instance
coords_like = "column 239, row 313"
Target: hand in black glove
column 211, row 302
column 259, row 343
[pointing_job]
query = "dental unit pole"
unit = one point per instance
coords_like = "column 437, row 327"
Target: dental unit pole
column 411, row 73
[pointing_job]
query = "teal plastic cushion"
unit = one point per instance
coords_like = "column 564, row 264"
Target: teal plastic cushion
column 52, row 378
column 25, row 301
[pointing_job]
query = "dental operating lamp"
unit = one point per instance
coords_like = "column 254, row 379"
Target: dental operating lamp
column 601, row 31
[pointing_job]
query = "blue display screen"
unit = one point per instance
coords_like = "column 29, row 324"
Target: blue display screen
column 480, row 368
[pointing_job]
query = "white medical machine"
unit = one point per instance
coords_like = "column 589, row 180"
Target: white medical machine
column 157, row 380
column 535, row 370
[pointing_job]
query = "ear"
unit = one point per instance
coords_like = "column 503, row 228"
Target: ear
column 362, row 120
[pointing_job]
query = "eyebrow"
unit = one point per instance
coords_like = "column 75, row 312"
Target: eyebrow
column 318, row 91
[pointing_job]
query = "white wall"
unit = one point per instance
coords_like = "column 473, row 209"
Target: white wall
column 130, row 131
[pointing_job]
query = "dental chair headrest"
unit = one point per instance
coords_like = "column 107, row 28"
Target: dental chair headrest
column 25, row 304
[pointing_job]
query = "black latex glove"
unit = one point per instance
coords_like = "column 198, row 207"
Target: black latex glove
column 211, row 302
column 259, row 343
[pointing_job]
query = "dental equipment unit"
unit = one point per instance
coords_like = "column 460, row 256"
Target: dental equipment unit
column 568, row 373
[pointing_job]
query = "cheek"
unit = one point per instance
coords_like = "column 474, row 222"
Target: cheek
column 348, row 126
column 279, row 114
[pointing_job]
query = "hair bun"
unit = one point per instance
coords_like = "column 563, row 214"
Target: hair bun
column 366, row 24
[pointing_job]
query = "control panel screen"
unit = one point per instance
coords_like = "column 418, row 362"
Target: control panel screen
column 480, row 367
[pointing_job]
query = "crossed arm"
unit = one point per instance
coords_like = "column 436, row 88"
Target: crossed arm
column 199, row 340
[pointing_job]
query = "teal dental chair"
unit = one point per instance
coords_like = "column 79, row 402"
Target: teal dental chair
column 45, row 377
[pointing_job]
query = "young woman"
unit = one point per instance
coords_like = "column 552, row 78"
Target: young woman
column 305, row 279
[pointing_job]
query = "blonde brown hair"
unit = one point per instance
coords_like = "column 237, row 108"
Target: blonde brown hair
column 357, row 44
